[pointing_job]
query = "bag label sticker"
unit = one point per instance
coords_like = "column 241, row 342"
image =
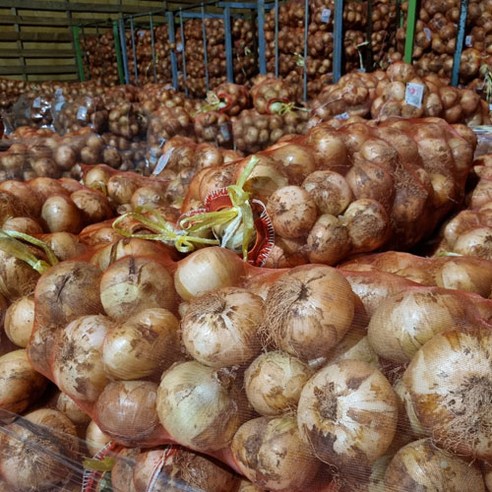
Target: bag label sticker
column 326, row 15
column 428, row 33
column 414, row 94
column 82, row 113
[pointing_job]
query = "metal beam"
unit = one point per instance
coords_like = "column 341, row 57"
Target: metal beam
column 410, row 36
column 460, row 39
column 337, row 40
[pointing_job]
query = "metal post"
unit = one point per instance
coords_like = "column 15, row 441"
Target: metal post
column 305, row 54
column 117, row 49
column 172, row 42
column 134, row 50
column 152, row 46
column 205, row 48
column 455, row 75
column 261, row 37
column 78, row 52
column 276, row 39
column 124, row 53
column 338, row 40
column 411, row 21
column 183, row 44
column 228, row 44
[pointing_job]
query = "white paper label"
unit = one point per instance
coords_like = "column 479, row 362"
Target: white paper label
column 225, row 131
column 469, row 41
column 59, row 92
column 490, row 107
column 342, row 116
column 179, row 47
column 141, row 33
column 162, row 162
column 428, row 33
column 82, row 113
column 59, row 105
column 36, row 103
column 326, row 15
column 414, row 94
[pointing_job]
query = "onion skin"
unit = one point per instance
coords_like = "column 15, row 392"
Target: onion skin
column 450, row 384
column 420, row 465
column 95, row 438
column 206, row 270
column 220, row 328
column 77, row 366
column 20, row 384
column 273, row 382
column 126, row 411
column 348, row 413
column 270, row 453
column 403, row 323
column 30, row 454
column 214, row 403
column 68, row 406
column 142, row 347
column 132, row 284
column 308, row 311
column 176, row 468
column 61, row 214
column 19, row 321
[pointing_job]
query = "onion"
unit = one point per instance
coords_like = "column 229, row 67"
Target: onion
column 109, row 253
column 126, row 411
column 176, row 468
column 450, row 384
column 45, row 188
column 420, row 465
column 206, row 270
column 19, row 321
column 201, row 407
column 122, row 471
column 23, row 224
column 77, row 366
column 65, row 292
column 143, row 346
column 292, row 210
column 61, row 214
column 65, row 246
column 273, row 382
column 93, row 205
column 26, row 194
column 220, row 328
column 403, row 323
column 95, row 438
column 329, row 190
column 308, row 311
column 298, row 160
column 328, row 241
column 476, row 242
column 329, row 149
column 132, row 284
column 38, row 450
column 270, row 452
column 68, row 406
column 20, row 384
column 348, row 413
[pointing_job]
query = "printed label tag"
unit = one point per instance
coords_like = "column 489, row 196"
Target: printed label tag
column 414, row 94
column 179, row 47
column 326, row 15
column 469, row 40
column 428, row 33
column 36, row 103
column 59, row 104
column 490, row 107
column 342, row 116
column 162, row 162
column 82, row 113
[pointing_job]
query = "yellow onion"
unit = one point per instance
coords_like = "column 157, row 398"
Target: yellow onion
column 77, row 366
column 348, row 413
column 220, row 328
column 201, row 407
column 126, row 411
column 308, row 311
column 142, row 347
column 273, row 382
column 420, row 465
column 206, row 270
column 270, row 452
column 450, row 384
column 19, row 321
column 20, row 384
column 132, row 284
column 38, row 451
